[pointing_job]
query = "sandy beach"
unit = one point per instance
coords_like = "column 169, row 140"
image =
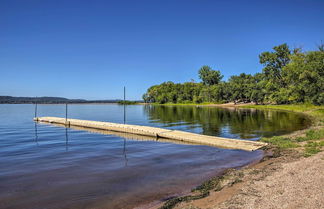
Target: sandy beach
column 284, row 182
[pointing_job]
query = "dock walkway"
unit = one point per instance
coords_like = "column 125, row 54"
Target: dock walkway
column 158, row 133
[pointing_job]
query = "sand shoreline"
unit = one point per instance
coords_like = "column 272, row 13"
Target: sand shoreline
column 275, row 180
column 283, row 182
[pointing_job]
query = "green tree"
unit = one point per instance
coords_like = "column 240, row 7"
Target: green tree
column 305, row 78
column 274, row 62
column 257, row 86
column 240, row 87
column 209, row 76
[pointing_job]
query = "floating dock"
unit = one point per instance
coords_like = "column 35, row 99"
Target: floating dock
column 158, row 133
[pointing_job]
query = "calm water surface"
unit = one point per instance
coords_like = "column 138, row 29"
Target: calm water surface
column 46, row 166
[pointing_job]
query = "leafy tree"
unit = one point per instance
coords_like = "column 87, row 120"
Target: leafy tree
column 274, row 63
column 258, row 88
column 240, row 87
column 305, row 75
column 209, row 76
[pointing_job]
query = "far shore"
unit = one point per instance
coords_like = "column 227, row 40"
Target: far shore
column 77, row 103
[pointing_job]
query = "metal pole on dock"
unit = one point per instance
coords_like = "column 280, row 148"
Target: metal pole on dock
column 124, row 104
column 125, row 156
column 36, row 108
column 124, row 94
column 66, row 113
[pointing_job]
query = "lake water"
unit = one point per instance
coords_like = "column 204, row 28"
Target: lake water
column 47, row 166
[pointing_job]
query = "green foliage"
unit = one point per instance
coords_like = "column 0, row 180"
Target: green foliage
column 315, row 134
column 209, row 76
column 312, row 148
column 127, row 102
column 305, row 78
column 309, row 151
column 274, row 62
column 242, row 87
column 280, row 142
column 315, row 144
column 312, row 135
column 302, row 139
column 288, row 77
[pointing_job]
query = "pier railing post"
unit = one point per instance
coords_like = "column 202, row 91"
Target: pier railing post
column 124, row 104
column 36, row 109
column 66, row 114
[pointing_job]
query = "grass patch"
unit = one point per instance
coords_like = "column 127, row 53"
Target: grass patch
column 312, row 137
column 315, row 134
column 309, row 151
column 312, row 147
column 281, row 142
column 301, row 139
column 315, row 144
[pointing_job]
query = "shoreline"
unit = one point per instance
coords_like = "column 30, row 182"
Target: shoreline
column 230, row 192
column 266, row 180
column 231, row 173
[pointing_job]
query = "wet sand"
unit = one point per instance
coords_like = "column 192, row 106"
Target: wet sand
column 284, row 182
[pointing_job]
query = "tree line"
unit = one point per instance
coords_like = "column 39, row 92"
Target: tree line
column 288, row 76
column 48, row 100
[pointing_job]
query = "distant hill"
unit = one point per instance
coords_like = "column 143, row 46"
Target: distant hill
column 48, row 100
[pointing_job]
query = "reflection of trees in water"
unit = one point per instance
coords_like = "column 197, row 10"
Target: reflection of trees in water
column 247, row 123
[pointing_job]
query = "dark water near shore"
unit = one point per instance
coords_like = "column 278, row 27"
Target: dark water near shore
column 45, row 166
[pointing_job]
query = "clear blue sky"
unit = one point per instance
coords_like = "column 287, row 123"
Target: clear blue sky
column 91, row 49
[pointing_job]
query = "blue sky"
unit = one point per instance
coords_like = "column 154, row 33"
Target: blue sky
column 91, row 49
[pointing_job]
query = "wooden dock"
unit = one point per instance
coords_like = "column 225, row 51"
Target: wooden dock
column 158, row 133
